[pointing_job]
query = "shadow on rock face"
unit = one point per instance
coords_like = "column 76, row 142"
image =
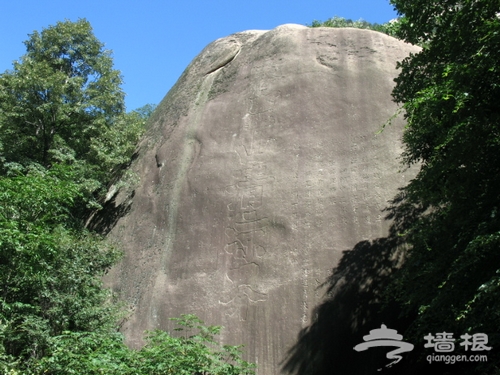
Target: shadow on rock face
column 356, row 303
column 104, row 220
column 351, row 309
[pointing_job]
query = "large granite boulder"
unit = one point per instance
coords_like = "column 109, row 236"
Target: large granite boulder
column 263, row 164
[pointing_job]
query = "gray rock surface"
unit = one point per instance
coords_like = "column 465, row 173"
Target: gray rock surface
column 263, row 164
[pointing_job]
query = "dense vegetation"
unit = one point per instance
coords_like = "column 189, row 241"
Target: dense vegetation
column 64, row 139
column 388, row 28
column 448, row 215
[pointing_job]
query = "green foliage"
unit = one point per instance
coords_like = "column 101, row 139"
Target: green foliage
column 448, row 214
column 62, row 103
column 49, row 267
column 195, row 354
column 62, row 94
column 388, row 28
column 55, row 316
column 116, row 145
column 94, row 353
column 63, row 139
column 87, row 353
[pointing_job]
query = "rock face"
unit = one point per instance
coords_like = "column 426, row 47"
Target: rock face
column 264, row 163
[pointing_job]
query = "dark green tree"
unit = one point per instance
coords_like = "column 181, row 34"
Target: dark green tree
column 63, row 103
column 64, row 138
column 116, row 144
column 63, row 135
column 50, row 268
column 62, row 94
column 448, row 215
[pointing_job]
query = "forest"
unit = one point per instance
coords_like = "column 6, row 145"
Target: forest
column 65, row 139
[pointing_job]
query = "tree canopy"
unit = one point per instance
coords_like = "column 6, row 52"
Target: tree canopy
column 64, row 139
column 448, row 214
column 61, row 94
column 388, row 28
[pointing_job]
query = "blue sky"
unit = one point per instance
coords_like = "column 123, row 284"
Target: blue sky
column 153, row 41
